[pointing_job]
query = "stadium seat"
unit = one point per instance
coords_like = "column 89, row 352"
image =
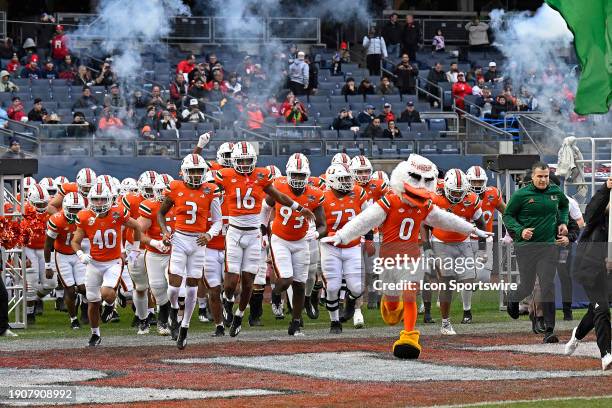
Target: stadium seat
column 437, row 125
column 322, row 108
column 318, row 99
column 329, row 134
column 354, row 99
column 418, row 126
column 168, row 134
column 337, row 99
column 186, row 134
column 346, row 134
column 205, row 127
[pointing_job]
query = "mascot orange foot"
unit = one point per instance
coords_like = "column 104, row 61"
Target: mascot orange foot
column 392, row 310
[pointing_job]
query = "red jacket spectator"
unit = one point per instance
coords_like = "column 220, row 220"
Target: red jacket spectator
column 15, row 111
column 210, row 85
column 59, row 45
column 14, row 65
column 186, row 66
column 460, row 90
column 272, row 108
column 178, row 88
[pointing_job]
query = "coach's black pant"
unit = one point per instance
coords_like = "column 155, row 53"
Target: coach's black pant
column 373, row 63
column 538, row 260
column 4, row 322
column 598, row 314
column 297, row 88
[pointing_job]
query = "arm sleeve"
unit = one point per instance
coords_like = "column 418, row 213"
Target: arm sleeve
column 512, row 210
column 371, row 217
column 383, row 47
column 266, row 210
column 366, row 42
column 217, row 220
column 447, row 221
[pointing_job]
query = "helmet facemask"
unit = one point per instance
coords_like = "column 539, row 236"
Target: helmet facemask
column 100, row 205
column 297, row 179
column 244, row 165
column 362, row 176
column 478, row 186
column 194, row 176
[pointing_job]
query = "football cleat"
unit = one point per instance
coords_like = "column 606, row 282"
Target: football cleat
column 202, row 315
column 254, row 321
column 152, row 319
column 107, row 312
column 550, row 337
column 114, row 316
column 358, row 319
column 294, row 328
column 467, row 317
column 75, row 324
column 427, row 319
column 309, row 308
column 121, row 299
column 277, row 306
column 513, row 309
column 181, row 341
column 163, row 329
column 228, row 312
column 143, row 326
column 606, row 362
column 447, row 329
column 236, row 326
column 8, row 333
column 94, row 340
column 219, row 331
column 335, row 327
column 174, row 325
column 572, row 344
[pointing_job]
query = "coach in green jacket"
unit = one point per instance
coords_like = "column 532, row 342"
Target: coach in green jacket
column 536, row 216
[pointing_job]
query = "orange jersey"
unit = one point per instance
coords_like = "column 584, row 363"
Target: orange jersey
column 66, row 188
column 402, row 225
column 104, row 233
column 375, row 189
column 131, row 202
column 467, row 209
column 490, row 199
column 214, row 165
column 63, row 230
column 340, row 210
column 148, row 209
column 244, row 194
column 318, row 182
column 191, row 206
column 36, row 227
column 289, row 224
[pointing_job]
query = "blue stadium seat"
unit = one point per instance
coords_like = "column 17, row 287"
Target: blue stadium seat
column 346, row 134
column 437, row 125
column 337, row 99
column 418, row 126
column 354, row 99
column 168, row 134
column 329, row 134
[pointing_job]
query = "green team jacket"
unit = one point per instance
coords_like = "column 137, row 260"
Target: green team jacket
column 542, row 210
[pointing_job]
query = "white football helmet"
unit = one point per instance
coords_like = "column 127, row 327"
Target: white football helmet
column 301, row 156
column 49, row 184
column 193, row 169
column 128, row 185
column 456, row 185
column 339, row 178
column 108, row 180
column 100, row 198
column 85, row 180
column 477, row 177
column 224, row 154
column 167, row 179
column 362, row 169
column 274, row 171
column 341, row 158
column 38, row 197
column 27, row 183
column 146, row 184
column 380, row 175
column 298, row 171
column 72, row 204
column 244, row 157
column 59, row 180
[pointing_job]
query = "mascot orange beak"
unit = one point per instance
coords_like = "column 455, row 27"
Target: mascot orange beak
column 416, row 196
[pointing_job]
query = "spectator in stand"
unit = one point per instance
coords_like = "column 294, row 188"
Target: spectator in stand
column 168, row 121
column 49, row 71
column 85, row 129
column 374, row 130
column 478, row 37
column 485, row 101
column 193, row 114
column 6, row 85
column 109, row 121
column 201, row 70
column 68, row 69
column 411, row 37
column 114, row 99
column 38, row 112
column 376, row 50
column 52, row 119
column 107, row 77
column 387, row 114
column 436, row 75
column 86, row 101
column 392, row 131
column 451, row 75
column 386, row 87
column 298, row 75
column 15, row 111
column 214, row 62
column 156, row 98
column 272, row 108
column 216, row 94
column 248, row 66
column 14, row 66
column 410, row 114
column 14, row 151
column 367, row 115
column 437, row 44
column 31, row 70
column 149, row 119
column 460, row 90
column 336, row 64
column 217, row 75
column 366, row 87
column 59, row 45
column 499, row 109
column 148, row 133
column 526, row 101
column 345, row 121
column 178, row 89
column 3, row 117
column 492, row 74
column 296, row 113
column 406, row 76
column 198, row 91
column 254, row 117
column 510, row 97
column 477, row 89
column 83, row 77
column 313, row 76
column 171, row 108
column 29, row 50
column 232, row 85
column 349, row 87
column 186, row 65
column 7, row 49
column 138, row 100
column 392, row 34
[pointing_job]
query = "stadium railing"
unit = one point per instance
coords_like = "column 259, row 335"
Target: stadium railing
column 26, row 134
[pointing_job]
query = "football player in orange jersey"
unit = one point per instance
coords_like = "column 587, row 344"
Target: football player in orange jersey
column 39, row 285
column 194, row 201
column 157, row 254
column 70, row 271
column 101, row 222
column 245, row 187
column 362, row 171
column 291, row 234
column 456, row 247
column 85, row 179
column 343, row 201
column 400, row 214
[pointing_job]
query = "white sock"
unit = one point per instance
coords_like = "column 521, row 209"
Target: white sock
column 173, row 295
column 191, row 296
column 202, row 302
column 140, row 303
column 466, row 297
column 334, row 316
column 95, row 330
column 445, row 321
column 239, row 312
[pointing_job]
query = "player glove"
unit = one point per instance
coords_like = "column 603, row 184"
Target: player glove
column 203, row 140
column 85, row 258
column 311, row 234
column 159, row 245
column 334, row 240
column 481, row 234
